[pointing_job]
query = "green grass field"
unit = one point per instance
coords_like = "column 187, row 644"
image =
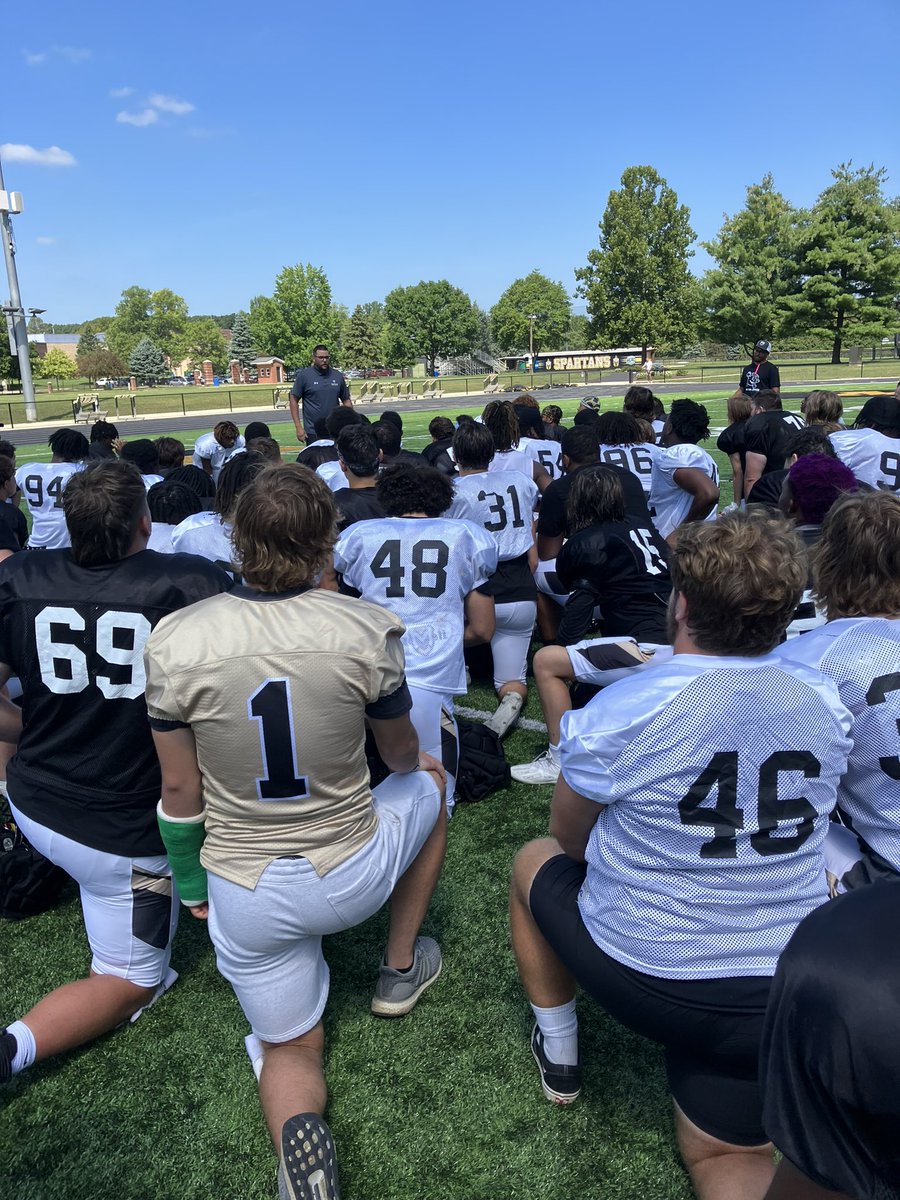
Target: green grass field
column 444, row 1104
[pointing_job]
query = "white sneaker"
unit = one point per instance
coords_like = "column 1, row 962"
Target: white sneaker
column 507, row 714
column 542, row 770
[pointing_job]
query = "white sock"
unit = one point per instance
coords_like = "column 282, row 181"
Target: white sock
column 559, row 1027
column 25, row 1047
column 255, row 1053
column 554, row 758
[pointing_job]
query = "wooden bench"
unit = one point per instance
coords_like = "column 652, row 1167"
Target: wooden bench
column 405, row 390
column 492, row 385
column 281, row 398
column 432, row 390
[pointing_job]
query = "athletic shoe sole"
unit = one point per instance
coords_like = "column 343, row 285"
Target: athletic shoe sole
column 399, row 1008
column 308, row 1168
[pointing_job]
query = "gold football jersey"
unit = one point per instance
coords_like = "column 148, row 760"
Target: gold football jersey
column 275, row 690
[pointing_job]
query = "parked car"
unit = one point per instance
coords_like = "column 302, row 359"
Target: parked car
column 176, row 381
column 379, row 373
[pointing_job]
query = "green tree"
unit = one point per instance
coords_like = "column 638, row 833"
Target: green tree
column 101, row 364
column 168, row 324
column 638, row 288
column 578, row 334
column 361, row 345
column 87, row 344
column 242, row 346
column 848, row 257
column 203, row 339
column 37, row 325
column 56, row 364
column 534, row 295
column 297, row 316
column 147, row 362
column 433, row 319
column 745, row 294
column 131, row 322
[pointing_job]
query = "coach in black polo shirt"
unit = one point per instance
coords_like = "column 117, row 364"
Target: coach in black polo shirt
column 760, row 375
column 319, row 389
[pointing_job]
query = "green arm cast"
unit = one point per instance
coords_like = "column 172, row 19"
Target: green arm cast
column 182, row 838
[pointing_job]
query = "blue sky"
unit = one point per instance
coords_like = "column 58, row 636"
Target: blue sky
column 202, row 147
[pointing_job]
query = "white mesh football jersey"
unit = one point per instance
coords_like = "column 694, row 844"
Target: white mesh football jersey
column 719, row 775
column 546, row 454
column 207, row 535
column 161, row 538
column 513, row 460
column 862, row 656
column 42, row 485
column 333, row 474
column 873, row 458
column 500, row 502
column 636, row 459
column 669, row 503
column 207, row 448
column 421, row 569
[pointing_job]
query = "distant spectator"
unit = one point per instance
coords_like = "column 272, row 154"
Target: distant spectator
column 170, row 452
column 266, row 446
column 103, row 436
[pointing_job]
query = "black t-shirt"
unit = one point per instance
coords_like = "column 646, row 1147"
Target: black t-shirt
column 356, row 504
column 511, row 582
column 314, row 456
column 770, row 433
column 319, row 392
column 767, row 489
column 552, row 521
column 437, row 456
column 759, row 377
column 85, row 765
column 731, row 441
column 623, row 569
column 13, row 528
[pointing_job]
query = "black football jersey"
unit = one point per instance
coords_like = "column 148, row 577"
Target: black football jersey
column 85, row 764
column 621, row 568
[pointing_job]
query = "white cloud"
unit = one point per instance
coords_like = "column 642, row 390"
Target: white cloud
column 33, row 60
column 147, row 116
column 53, row 156
column 72, row 54
column 121, row 93
column 170, row 104
column 45, row 241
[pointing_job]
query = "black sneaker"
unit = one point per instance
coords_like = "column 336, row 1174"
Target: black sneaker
column 308, row 1169
column 8, row 1048
column 561, row 1084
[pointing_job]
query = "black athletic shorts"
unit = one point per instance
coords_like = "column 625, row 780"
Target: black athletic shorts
column 830, row 1062
column 710, row 1028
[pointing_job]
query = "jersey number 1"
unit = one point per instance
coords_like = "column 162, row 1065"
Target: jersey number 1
column 270, row 705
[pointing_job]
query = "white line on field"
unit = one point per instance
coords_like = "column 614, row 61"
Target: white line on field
column 477, row 714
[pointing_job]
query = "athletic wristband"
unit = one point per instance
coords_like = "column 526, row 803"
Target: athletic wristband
column 182, row 838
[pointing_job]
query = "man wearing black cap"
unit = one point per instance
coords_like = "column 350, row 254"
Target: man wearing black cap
column 760, row 375
column 871, row 449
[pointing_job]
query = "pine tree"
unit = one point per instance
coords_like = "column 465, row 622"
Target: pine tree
column 87, row 344
column 242, row 347
column 147, row 362
column 361, row 345
column 637, row 285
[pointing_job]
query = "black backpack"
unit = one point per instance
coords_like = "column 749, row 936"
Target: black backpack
column 29, row 883
column 482, row 763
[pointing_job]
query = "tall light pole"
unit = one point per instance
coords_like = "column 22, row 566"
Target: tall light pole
column 10, row 203
column 531, row 321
